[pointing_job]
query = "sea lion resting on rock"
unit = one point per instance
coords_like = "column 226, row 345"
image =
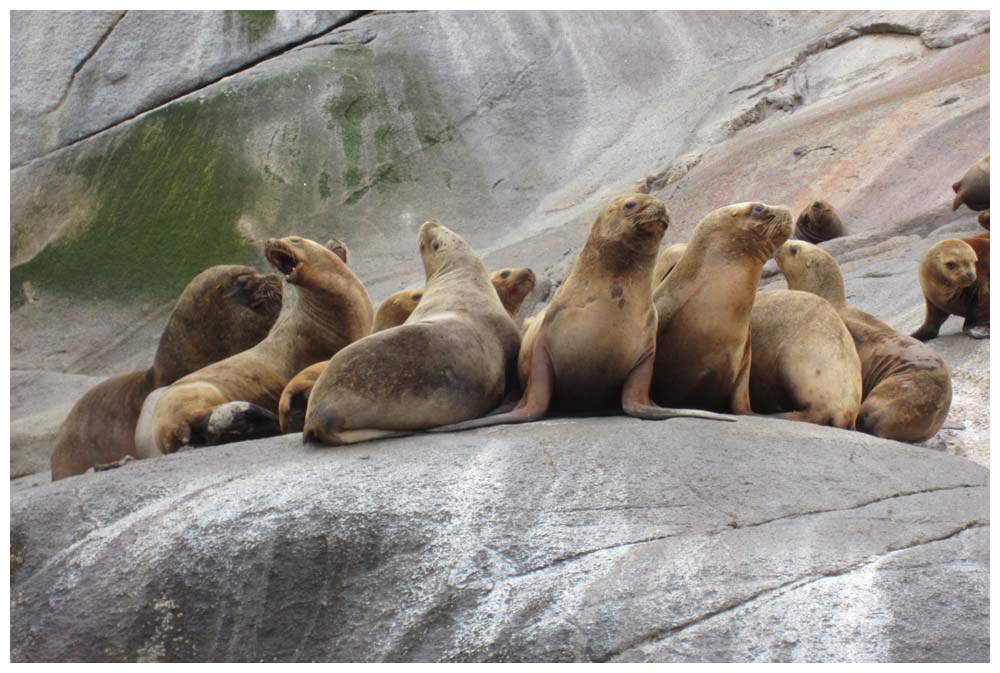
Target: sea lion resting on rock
column 238, row 397
column 512, row 286
column 906, row 385
column 955, row 278
column 453, row 359
column 222, row 311
column 704, row 307
column 818, row 222
column 974, row 188
column 805, row 366
column 592, row 347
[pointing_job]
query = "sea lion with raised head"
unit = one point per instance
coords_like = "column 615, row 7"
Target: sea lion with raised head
column 818, row 222
column 805, row 366
column 666, row 262
column 512, row 286
column 591, row 349
column 704, row 305
column 222, row 311
column 906, row 386
column 974, row 188
column 453, row 359
column 237, row 398
column 955, row 278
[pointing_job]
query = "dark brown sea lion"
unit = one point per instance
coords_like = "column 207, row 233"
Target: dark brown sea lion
column 818, row 222
column 592, row 348
column 222, row 311
column 453, row 359
column 704, row 306
column 906, row 385
column 805, row 366
column 974, row 188
column 955, row 278
column 237, row 398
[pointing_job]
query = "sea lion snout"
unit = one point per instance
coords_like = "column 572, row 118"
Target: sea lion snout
column 282, row 257
column 320, row 424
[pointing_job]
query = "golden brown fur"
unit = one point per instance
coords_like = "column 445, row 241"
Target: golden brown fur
column 974, row 188
column 222, row 311
column 666, row 262
column 955, row 278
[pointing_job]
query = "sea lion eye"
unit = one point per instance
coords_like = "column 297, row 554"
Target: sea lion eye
column 505, row 274
column 758, row 209
column 630, row 205
column 950, row 265
column 295, row 239
column 417, row 297
column 794, row 251
column 436, row 245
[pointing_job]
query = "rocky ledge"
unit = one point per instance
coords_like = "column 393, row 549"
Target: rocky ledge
column 590, row 539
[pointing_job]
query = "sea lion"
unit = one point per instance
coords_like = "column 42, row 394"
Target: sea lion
column 818, row 222
column 955, row 278
column 984, row 219
column 906, row 386
column 512, row 286
column 222, row 311
column 974, row 188
column 453, row 359
column 805, row 366
column 237, row 398
column 666, row 262
column 704, row 306
column 592, row 347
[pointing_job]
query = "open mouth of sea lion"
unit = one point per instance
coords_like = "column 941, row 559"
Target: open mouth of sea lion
column 651, row 227
column 283, row 259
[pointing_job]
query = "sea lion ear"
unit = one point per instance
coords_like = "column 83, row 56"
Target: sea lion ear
column 337, row 248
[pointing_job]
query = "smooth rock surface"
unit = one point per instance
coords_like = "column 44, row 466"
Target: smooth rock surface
column 571, row 539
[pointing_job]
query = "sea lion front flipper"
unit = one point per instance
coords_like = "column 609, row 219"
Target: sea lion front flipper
column 236, row 422
column 932, row 323
column 636, row 401
column 976, row 331
column 534, row 403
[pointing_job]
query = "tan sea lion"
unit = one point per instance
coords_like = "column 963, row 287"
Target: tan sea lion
column 818, row 222
column 222, row 311
column 704, row 306
column 237, row 398
column 667, row 260
column 512, row 286
column 974, row 188
column 984, row 219
column 955, row 278
column 906, row 385
column 592, row 347
column 805, row 366
column 453, row 359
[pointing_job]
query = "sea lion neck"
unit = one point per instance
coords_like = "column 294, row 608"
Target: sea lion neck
column 602, row 255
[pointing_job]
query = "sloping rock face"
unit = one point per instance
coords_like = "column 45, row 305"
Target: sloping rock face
column 512, row 128
column 602, row 539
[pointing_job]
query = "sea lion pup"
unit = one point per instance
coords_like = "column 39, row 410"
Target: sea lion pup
column 818, row 222
column 703, row 308
column 804, row 366
column 222, row 311
column 512, row 286
column 974, row 188
column 453, row 359
column 955, row 278
column 666, row 262
column 396, row 308
column 906, row 386
column 592, row 347
column 332, row 310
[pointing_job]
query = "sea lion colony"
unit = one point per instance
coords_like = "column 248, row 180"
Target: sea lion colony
column 682, row 335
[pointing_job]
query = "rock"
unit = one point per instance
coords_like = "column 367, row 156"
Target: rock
column 77, row 73
column 585, row 540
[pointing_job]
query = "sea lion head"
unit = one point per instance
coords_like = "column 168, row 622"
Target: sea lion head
column 301, row 261
column 512, row 286
column 223, row 310
column 952, row 263
column 753, row 228
column 638, row 221
column 396, row 308
column 442, row 249
column 811, row 269
column 818, row 222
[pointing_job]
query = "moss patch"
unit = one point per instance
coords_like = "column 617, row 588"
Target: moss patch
column 168, row 195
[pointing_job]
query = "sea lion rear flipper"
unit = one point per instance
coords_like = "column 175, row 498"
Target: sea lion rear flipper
column 636, row 401
column 236, row 422
column 534, row 403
